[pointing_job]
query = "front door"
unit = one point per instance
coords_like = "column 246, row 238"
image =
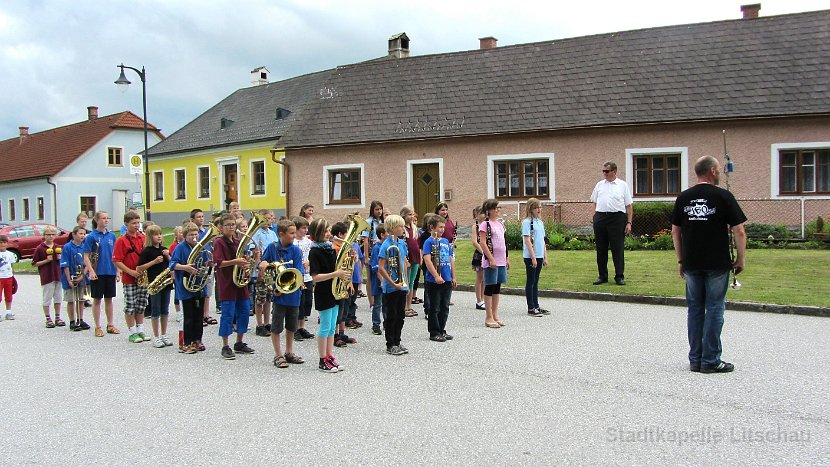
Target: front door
column 230, row 186
column 425, row 188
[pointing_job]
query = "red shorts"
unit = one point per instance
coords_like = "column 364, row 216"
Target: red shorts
column 6, row 288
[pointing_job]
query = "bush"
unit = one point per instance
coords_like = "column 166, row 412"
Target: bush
column 816, row 226
column 663, row 242
column 764, row 231
column 651, row 217
column 632, row 243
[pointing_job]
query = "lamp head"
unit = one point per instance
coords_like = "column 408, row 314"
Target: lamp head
column 122, row 81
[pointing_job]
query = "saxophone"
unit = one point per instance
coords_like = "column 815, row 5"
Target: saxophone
column 242, row 274
column 161, row 281
column 345, row 257
column 202, row 260
column 142, row 280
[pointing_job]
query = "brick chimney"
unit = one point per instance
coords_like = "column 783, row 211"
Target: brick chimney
column 92, row 112
column 24, row 133
column 751, row 11
column 487, row 42
column 399, row 46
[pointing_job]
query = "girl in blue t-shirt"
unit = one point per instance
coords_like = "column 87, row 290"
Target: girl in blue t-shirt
column 535, row 255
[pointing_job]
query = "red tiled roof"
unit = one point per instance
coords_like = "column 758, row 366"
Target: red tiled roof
column 48, row 152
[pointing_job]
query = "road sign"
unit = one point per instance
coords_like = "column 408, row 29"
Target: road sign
column 136, row 164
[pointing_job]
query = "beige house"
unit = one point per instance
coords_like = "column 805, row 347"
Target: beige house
column 538, row 120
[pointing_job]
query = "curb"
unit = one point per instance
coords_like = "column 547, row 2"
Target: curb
column 670, row 301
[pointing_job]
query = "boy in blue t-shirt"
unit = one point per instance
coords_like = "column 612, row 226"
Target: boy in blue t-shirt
column 394, row 283
column 286, row 307
column 375, row 289
column 73, row 279
column 439, row 277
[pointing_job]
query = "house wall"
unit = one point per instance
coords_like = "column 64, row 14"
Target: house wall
column 31, row 189
column 171, row 211
column 577, row 160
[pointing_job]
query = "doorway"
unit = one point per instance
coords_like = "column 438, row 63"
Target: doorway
column 426, row 188
column 229, row 185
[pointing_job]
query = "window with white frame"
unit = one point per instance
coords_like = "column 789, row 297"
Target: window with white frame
column 11, row 210
column 179, row 179
column 88, row 205
column 804, row 171
column 656, row 174
column 158, row 186
column 258, row 177
column 114, row 157
column 25, row 209
column 41, row 210
column 343, row 184
column 204, row 181
column 521, row 176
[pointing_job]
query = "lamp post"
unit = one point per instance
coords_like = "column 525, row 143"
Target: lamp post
column 123, row 83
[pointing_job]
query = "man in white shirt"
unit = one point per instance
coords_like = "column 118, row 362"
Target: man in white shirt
column 612, row 222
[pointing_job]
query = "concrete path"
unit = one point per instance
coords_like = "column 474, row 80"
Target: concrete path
column 594, row 383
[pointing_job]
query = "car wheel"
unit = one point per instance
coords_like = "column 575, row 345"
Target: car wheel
column 16, row 255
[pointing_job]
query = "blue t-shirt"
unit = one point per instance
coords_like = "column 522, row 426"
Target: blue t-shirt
column 373, row 270
column 180, row 255
column 401, row 244
column 105, row 243
column 445, row 258
column 262, row 238
column 538, row 237
column 72, row 256
column 277, row 252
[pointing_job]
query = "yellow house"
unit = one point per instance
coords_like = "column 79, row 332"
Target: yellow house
column 231, row 152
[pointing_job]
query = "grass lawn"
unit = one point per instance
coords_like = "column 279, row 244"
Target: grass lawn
column 787, row 277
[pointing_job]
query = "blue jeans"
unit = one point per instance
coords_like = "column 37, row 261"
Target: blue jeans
column 160, row 303
column 532, row 283
column 706, row 299
column 234, row 311
column 377, row 311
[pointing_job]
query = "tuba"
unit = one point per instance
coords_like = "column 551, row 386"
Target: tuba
column 345, row 257
column 280, row 278
column 242, row 274
column 161, row 281
column 393, row 264
column 202, row 260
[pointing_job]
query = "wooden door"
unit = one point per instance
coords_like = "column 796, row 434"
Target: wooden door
column 230, row 186
column 426, row 188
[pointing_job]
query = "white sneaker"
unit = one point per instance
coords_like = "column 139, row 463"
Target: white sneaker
column 166, row 340
column 9, row 315
column 158, row 343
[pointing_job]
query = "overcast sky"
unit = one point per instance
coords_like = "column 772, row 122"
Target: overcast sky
column 58, row 56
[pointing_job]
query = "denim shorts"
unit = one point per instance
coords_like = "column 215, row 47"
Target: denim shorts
column 497, row 275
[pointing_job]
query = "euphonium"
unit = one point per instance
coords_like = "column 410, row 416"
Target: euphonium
column 345, row 258
column 393, row 264
column 202, row 260
column 242, row 274
column 280, row 278
column 435, row 253
column 161, row 281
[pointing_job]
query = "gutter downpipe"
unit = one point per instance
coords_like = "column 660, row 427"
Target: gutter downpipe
column 284, row 179
column 54, row 199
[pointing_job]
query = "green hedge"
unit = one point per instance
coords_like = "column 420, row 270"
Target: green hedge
column 651, row 217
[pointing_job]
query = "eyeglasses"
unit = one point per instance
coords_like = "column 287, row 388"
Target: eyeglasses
column 605, row 171
column 229, row 225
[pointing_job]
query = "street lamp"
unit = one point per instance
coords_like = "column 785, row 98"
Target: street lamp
column 123, row 84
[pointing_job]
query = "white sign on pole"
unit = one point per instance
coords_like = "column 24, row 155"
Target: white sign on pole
column 136, row 164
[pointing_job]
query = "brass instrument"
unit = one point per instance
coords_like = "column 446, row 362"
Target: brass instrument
column 80, row 293
column 435, row 253
column 242, row 274
column 93, row 256
column 345, row 259
column 142, row 280
column 202, row 260
column 393, row 264
column 161, row 281
column 278, row 277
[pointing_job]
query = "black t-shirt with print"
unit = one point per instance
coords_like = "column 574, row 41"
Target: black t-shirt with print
column 322, row 261
column 704, row 213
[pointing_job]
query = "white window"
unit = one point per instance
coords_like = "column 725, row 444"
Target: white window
column 203, row 173
column 258, row 177
column 518, row 177
column 158, row 186
column 180, row 183
column 656, row 174
column 343, row 185
column 800, row 169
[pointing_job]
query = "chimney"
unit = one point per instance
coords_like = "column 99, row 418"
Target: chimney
column 487, row 42
column 259, row 76
column 92, row 112
column 399, row 46
column 24, row 133
column 751, row 11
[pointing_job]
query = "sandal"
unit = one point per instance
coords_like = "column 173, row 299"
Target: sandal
column 361, row 294
column 501, row 323
column 294, row 358
column 493, row 325
column 112, row 329
column 416, row 301
column 210, row 320
column 49, row 323
column 280, row 362
column 410, row 313
column 59, row 322
column 99, row 332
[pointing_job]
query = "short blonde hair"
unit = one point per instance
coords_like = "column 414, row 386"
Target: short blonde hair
column 49, row 230
column 392, row 221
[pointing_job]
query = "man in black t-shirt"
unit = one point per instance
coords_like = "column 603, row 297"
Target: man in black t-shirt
column 701, row 221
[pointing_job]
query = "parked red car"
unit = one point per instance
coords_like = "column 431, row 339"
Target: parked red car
column 24, row 238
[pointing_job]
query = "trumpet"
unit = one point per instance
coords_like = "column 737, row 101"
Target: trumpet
column 345, row 257
column 201, row 259
column 161, row 282
column 393, row 264
column 278, row 277
column 242, row 274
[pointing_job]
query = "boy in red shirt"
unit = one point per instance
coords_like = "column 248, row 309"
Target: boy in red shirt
column 47, row 259
column 235, row 301
column 125, row 257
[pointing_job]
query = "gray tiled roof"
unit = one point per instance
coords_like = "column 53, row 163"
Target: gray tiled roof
column 253, row 112
column 747, row 68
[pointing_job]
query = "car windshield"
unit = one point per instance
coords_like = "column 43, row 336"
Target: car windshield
column 22, row 231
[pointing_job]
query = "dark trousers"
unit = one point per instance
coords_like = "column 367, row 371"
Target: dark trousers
column 192, row 312
column 439, row 307
column 609, row 232
column 394, row 305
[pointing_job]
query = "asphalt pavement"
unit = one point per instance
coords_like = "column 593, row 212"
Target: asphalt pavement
column 593, row 383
